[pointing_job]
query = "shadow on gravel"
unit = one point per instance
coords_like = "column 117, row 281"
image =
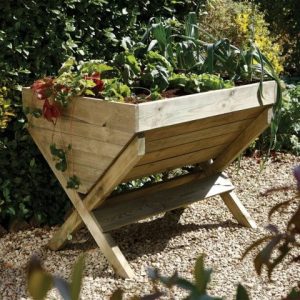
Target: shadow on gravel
column 149, row 237
column 152, row 237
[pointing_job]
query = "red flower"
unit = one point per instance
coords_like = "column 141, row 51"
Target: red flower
column 99, row 84
column 50, row 111
column 43, row 88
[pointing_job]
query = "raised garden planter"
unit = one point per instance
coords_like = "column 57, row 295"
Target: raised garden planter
column 116, row 142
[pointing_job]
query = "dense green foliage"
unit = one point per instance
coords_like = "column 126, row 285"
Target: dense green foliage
column 287, row 138
column 36, row 37
column 239, row 22
column 284, row 20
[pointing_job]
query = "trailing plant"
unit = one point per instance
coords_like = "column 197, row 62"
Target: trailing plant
column 287, row 137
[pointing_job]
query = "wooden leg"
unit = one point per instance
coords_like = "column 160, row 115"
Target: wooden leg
column 114, row 175
column 105, row 242
column 240, row 143
column 237, row 209
column 127, row 159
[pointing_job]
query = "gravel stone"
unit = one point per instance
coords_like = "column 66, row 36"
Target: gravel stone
column 204, row 227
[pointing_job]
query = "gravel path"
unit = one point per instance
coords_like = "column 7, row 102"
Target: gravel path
column 206, row 227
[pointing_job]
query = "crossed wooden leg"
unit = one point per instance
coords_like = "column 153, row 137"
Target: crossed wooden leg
column 83, row 213
column 114, row 175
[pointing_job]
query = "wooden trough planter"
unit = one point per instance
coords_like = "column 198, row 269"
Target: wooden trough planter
column 115, row 142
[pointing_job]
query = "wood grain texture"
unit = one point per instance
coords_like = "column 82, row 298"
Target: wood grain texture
column 102, row 189
column 243, row 140
column 196, row 125
column 238, row 210
column 115, row 214
column 174, row 162
column 180, row 148
column 96, row 133
column 82, row 214
column 203, row 105
column 93, row 111
column 213, row 133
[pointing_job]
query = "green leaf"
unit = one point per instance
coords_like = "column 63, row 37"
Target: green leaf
column 76, row 277
column 202, row 275
column 73, row 182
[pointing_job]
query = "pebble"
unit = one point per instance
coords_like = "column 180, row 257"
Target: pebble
column 206, row 227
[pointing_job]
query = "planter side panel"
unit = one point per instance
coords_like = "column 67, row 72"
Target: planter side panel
column 203, row 105
column 192, row 142
column 96, row 130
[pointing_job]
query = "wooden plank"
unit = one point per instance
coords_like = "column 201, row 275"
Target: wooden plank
column 181, row 149
column 117, row 214
column 106, row 244
column 93, row 111
column 106, row 184
column 167, row 112
column 183, row 128
column 157, row 186
column 87, row 145
column 174, row 162
column 241, row 142
column 204, row 134
column 70, row 126
column 237, row 209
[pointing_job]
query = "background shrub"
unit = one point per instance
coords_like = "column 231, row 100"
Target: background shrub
column 36, row 37
column 233, row 20
column 284, row 20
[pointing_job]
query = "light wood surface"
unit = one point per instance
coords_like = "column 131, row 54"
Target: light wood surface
column 112, row 177
column 98, row 112
column 243, row 140
column 182, row 149
column 167, row 112
column 174, row 162
column 102, row 188
column 237, row 209
column 212, row 133
column 200, row 124
column 96, row 133
column 119, row 213
column 106, row 150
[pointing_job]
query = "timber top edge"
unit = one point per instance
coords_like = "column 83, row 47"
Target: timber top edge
column 172, row 111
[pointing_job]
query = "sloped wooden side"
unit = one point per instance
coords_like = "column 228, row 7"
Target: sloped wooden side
column 183, row 109
column 192, row 142
column 96, row 130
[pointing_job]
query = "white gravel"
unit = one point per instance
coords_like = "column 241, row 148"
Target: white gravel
column 205, row 227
